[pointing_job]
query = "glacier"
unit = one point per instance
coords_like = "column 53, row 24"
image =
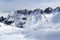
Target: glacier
column 30, row 24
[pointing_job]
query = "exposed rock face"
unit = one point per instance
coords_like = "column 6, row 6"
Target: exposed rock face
column 2, row 19
column 8, row 22
column 57, row 9
column 48, row 10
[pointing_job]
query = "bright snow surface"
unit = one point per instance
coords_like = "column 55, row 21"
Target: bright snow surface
column 37, row 27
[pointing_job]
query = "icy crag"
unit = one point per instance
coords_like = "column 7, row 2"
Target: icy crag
column 30, row 24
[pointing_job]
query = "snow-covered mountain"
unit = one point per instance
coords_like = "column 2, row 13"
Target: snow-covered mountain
column 30, row 24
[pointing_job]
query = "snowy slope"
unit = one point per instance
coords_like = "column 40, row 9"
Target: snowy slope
column 10, row 33
column 30, row 25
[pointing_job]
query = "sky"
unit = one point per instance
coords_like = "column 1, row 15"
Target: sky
column 11, row 5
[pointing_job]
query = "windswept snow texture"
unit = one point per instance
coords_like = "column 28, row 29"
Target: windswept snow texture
column 30, row 24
